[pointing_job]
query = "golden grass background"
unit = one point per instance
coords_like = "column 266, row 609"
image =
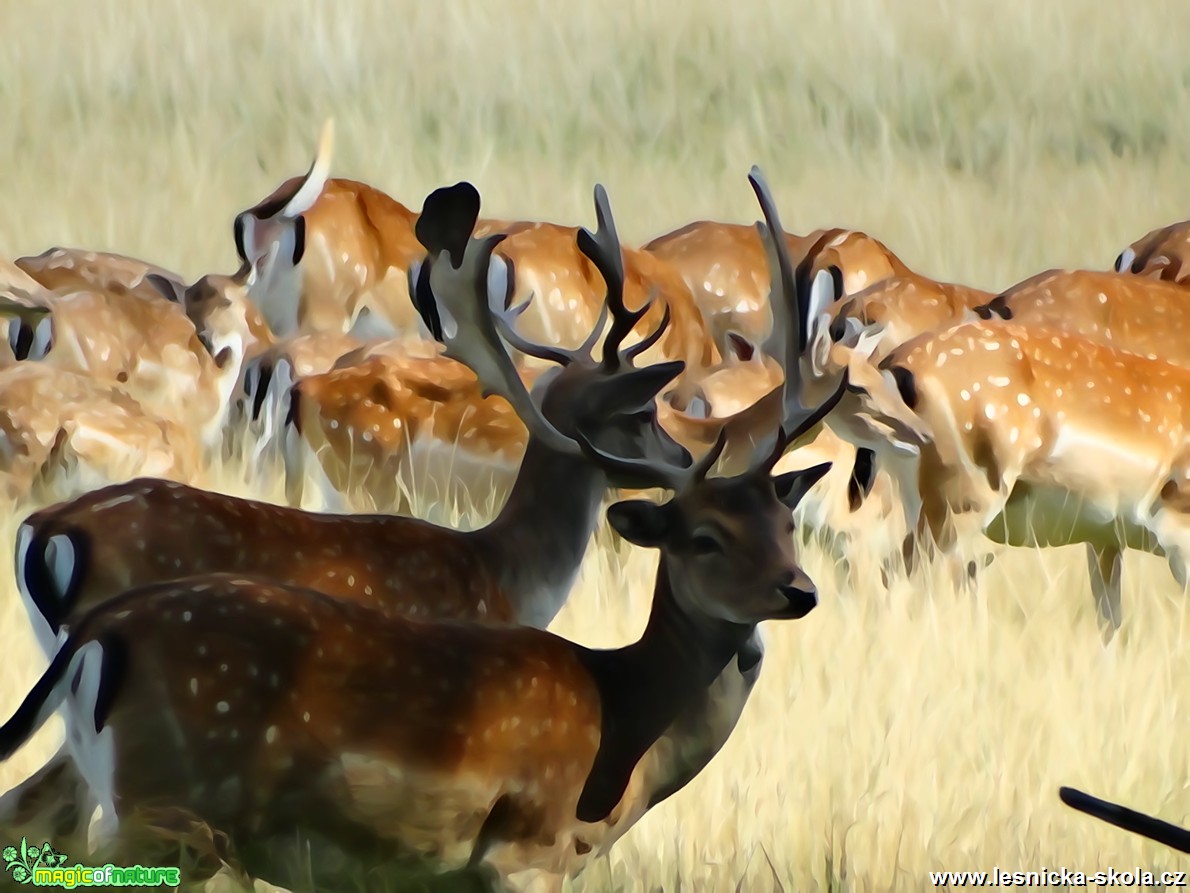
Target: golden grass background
column 983, row 141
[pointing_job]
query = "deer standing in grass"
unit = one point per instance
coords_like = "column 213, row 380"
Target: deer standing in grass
column 1035, row 436
column 627, row 728
column 330, row 254
column 1121, row 312
column 1159, row 254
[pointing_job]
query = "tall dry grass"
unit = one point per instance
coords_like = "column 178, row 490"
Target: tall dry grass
column 983, row 140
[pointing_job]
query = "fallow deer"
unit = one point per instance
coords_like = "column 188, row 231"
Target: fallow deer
column 58, row 426
column 1035, row 436
column 330, row 254
column 66, row 270
column 1139, row 315
column 724, row 266
column 597, row 748
column 394, row 423
column 1129, row 819
column 133, row 340
column 1159, row 254
column 1126, row 312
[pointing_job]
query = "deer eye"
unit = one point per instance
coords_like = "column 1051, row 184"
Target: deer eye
column 703, row 544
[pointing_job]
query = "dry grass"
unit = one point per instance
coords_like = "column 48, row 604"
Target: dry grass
column 984, row 141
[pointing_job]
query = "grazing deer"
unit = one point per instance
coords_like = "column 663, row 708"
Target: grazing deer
column 330, row 255
column 388, row 423
column 1160, row 254
column 223, row 313
column 643, row 750
column 1129, row 819
column 60, row 425
column 130, row 339
column 1036, row 437
column 66, row 270
column 724, row 266
column 543, row 261
column 1142, row 316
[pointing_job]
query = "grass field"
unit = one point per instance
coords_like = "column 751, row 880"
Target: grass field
column 983, row 141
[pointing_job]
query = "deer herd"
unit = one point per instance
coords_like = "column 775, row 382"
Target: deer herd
column 386, row 684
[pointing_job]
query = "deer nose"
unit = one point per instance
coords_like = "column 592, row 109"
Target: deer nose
column 801, row 594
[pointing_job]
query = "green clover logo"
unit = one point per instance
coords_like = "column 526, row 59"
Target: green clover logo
column 21, row 863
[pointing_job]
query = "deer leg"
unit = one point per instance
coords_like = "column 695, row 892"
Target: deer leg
column 1105, row 565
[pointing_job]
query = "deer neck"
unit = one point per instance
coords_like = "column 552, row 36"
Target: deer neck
column 537, row 542
column 646, row 686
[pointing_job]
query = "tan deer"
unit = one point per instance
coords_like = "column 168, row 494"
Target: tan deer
column 1035, row 436
column 1139, row 315
column 1129, row 819
column 1159, row 254
column 330, row 254
column 133, row 340
column 65, row 270
column 1121, row 311
column 872, row 290
column 724, row 266
column 390, row 424
column 223, row 313
column 568, row 748
column 58, row 426
column 543, row 261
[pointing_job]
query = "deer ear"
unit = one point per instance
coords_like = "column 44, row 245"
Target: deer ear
column 642, row 523
column 170, row 289
column 794, row 485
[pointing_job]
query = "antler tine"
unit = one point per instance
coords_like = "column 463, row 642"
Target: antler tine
column 504, row 319
column 787, row 342
column 460, row 294
column 653, row 337
column 603, row 249
column 649, row 473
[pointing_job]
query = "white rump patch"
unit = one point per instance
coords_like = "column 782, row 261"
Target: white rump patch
column 1125, row 260
column 497, row 283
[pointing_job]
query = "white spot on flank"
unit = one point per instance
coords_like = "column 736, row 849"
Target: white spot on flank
column 222, row 706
